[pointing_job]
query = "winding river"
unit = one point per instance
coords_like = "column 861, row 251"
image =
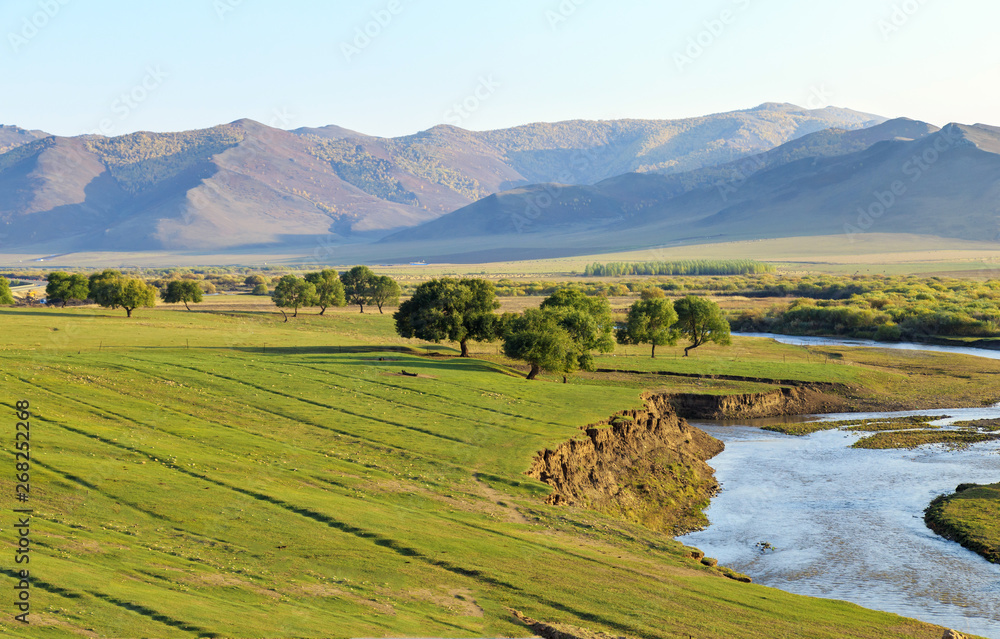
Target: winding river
column 848, row 524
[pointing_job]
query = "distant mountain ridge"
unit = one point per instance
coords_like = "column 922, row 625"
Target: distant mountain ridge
column 244, row 184
column 901, row 176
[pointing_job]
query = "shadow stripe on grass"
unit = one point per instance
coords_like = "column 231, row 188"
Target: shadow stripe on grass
column 326, row 406
column 133, row 607
column 377, row 539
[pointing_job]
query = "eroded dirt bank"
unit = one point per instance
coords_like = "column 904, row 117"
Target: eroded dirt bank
column 798, row 400
column 646, row 466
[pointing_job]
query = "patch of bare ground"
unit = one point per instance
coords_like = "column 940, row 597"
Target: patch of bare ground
column 326, row 590
column 458, row 601
column 43, row 620
column 220, row 580
column 499, row 506
column 561, row 631
column 408, row 374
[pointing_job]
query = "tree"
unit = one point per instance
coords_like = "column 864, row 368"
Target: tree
column 63, row 287
column 260, row 289
column 113, row 290
column 649, row 321
column 358, row 283
column 384, row 291
column 701, row 321
column 329, row 289
column 254, row 280
column 134, row 294
column 538, row 338
column 293, row 292
column 588, row 321
column 103, row 287
column 6, row 297
column 182, row 291
column 450, row 309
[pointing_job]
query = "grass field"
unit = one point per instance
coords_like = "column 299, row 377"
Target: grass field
column 223, row 473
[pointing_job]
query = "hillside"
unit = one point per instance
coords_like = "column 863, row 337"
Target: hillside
column 12, row 137
column 245, row 184
column 831, row 182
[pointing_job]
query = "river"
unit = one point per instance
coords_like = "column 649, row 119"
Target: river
column 848, row 523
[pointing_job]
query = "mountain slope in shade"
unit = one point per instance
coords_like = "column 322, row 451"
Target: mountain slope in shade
column 947, row 184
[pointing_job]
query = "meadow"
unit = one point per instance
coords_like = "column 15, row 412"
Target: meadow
column 221, row 473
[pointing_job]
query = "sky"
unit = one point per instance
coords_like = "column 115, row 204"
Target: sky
column 396, row 67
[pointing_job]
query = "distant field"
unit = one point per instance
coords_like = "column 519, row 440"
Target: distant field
column 866, row 253
column 221, row 473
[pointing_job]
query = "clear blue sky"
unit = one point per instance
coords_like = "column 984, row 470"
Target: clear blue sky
column 205, row 62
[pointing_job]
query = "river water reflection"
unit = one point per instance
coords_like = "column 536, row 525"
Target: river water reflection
column 848, row 523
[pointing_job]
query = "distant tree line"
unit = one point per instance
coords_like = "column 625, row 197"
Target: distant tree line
column 358, row 287
column 683, row 267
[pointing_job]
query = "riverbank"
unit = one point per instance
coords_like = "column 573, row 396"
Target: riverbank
column 969, row 516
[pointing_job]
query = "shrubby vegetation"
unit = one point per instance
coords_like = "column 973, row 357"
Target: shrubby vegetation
column 140, row 160
column 356, row 166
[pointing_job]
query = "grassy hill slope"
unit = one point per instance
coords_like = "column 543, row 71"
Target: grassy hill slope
column 199, row 474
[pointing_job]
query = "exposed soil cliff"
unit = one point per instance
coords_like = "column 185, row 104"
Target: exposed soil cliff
column 646, row 466
column 798, row 400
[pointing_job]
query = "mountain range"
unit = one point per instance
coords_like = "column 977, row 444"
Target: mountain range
column 900, row 176
column 244, row 184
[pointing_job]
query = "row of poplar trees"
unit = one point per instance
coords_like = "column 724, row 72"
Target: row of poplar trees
column 563, row 334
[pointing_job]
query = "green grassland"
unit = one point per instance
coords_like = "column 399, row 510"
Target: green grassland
column 970, row 516
column 222, row 473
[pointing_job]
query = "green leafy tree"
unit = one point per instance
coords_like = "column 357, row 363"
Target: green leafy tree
column 385, row 291
column 538, row 338
column 182, row 291
column 701, row 321
column 134, row 293
column 6, row 297
column 358, row 284
column 293, row 292
column 649, row 321
column 450, row 309
column 588, row 321
column 113, row 290
column 329, row 289
column 260, row 289
column 104, row 287
column 63, row 287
